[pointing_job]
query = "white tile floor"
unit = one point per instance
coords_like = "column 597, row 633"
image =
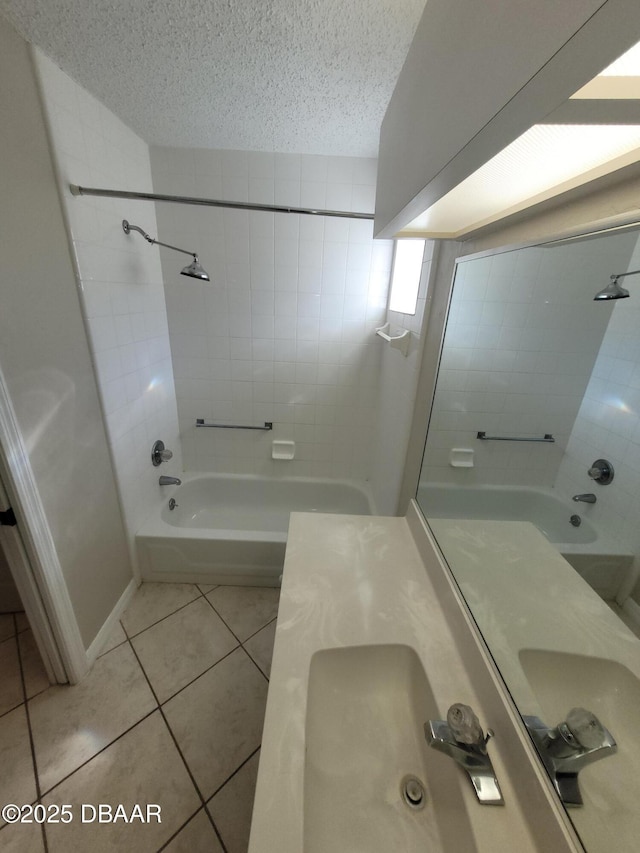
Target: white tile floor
column 171, row 714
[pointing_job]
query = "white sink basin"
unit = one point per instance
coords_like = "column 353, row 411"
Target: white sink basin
column 561, row 681
column 366, row 708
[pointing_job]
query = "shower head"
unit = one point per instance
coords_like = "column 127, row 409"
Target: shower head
column 193, row 270
column 611, row 291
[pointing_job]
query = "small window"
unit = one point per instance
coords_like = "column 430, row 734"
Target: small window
column 405, row 275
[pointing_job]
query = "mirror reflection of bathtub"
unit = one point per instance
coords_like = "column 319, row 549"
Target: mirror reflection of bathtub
column 598, row 558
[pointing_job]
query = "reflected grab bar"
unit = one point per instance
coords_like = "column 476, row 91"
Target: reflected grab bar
column 548, row 438
column 200, row 422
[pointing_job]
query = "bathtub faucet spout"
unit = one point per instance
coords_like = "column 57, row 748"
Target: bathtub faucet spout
column 169, row 481
column 585, row 499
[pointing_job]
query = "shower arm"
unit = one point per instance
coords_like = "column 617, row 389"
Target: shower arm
column 127, row 228
column 623, row 274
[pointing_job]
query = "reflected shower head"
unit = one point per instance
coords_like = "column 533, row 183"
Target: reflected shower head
column 193, row 270
column 612, row 290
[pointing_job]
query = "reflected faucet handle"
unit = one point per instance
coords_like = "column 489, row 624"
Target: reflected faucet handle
column 586, row 729
column 601, row 471
column 573, row 744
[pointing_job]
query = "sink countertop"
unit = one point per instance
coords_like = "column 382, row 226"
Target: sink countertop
column 357, row 580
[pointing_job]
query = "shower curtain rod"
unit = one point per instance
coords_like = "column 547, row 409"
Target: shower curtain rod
column 211, row 202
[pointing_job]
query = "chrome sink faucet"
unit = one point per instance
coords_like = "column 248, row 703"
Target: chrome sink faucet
column 585, row 499
column 461, row 737
column 574, row 743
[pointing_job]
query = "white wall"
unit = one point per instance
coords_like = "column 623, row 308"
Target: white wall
column 397, row 396
column 522, row 337
column 285, row 330
column 45, row 357
column 121, row 285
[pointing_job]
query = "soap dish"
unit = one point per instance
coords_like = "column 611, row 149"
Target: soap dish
column 461, row 457
column 283, row 449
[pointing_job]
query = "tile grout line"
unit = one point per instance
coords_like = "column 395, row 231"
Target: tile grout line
column 208, row 669
column 249, row 653
column 9, row 710
column 158, row 621
column 182, row 607
column 201, row 594
column 242, row 642
column 255, row 663
column 257, row 631
column 159, row 705
column 99, row 752
column 25, row 698
column 183, row 826
column 14, row 638
column 128, row 636
column 173, row 738
column 40, row 793
column 223, row 620
column 32, row 746
column 204, row 672
column 106, row 746
column 275, row 618
column 235, row 773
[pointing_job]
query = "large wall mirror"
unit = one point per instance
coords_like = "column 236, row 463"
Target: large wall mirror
column 539, row 383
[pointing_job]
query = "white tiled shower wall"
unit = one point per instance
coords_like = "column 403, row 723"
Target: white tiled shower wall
column 397, row 396
column 285, row 330
column 608, row 423
column 121, row 284
column 522, row 339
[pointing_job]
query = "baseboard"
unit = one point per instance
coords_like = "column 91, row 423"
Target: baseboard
column 103, row 634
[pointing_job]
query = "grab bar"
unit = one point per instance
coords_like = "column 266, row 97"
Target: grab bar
column 400, row 341
column 200, row 422
column 482, row 435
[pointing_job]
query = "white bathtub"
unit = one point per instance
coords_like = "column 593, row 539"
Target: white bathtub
column 229, row 529
column 600, row 560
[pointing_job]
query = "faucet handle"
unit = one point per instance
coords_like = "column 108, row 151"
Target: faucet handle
column 159, row 453
column 465, row 725
column 461, row 738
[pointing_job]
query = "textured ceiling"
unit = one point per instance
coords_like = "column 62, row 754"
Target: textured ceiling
column 305, row 76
